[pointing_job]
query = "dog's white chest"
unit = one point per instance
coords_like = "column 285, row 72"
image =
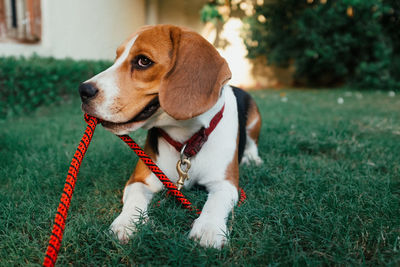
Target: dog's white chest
column 216, row 154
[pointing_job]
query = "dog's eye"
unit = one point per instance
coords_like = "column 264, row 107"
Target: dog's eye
column 141, row 62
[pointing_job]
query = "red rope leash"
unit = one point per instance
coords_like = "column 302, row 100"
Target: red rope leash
column 62, row 211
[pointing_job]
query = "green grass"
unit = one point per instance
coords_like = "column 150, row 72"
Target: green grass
column 327, row 194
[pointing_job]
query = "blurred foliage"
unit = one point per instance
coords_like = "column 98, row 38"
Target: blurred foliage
column 26, row 83
column 329, row 42
column 210, row 13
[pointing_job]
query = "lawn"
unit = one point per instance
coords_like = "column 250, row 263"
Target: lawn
column 327, row 194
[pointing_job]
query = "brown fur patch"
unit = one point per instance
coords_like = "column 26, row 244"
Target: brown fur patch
column 253, row 125
column 232, row 171
column 194, row 83
column 138, row 87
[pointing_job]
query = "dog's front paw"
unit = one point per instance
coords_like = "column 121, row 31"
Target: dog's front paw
column 251, row 158
column 209, row 233
column 123, row 227
column 248, row 161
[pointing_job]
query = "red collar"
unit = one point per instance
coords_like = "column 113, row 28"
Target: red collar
column 196, row 142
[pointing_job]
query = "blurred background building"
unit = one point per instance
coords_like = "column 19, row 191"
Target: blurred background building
column 93, row 29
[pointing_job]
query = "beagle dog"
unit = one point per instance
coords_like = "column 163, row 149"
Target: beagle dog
column 172, row 82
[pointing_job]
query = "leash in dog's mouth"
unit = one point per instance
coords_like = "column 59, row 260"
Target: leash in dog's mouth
column 146, row 113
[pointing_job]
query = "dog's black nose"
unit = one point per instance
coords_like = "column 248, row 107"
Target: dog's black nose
column 87, row 91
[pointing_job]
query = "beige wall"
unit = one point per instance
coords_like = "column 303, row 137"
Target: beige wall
column 83, row 29
column 92, row 29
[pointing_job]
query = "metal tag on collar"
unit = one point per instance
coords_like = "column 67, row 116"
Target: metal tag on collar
column 182, row 167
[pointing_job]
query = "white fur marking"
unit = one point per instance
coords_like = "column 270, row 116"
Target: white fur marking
column 252, row 124
column 136, row 198
column 107, row 84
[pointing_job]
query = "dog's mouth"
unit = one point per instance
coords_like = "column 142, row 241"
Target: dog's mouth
column 143, row 115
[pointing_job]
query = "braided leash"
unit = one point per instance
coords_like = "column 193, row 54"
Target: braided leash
column 62, row 211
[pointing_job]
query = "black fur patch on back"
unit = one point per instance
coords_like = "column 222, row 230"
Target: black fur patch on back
column 243, row 103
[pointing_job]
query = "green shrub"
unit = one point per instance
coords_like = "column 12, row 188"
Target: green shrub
column 27, row 83
column 330, row 42
column 209, row 12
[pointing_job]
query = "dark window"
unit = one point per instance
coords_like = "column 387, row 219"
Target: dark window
column 20, row 20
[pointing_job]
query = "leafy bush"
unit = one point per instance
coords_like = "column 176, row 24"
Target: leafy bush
column 27, row 83
column 209, row 12
column 330, row 41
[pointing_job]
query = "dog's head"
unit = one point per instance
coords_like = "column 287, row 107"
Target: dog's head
column 164, row 65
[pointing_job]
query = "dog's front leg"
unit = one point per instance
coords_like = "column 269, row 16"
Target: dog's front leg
column 210, row 228
column 136, row 198
column 137, row 195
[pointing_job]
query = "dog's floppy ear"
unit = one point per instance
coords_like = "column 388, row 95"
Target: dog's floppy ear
column 197, row 74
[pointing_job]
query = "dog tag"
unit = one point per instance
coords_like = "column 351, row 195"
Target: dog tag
column 182, row 166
